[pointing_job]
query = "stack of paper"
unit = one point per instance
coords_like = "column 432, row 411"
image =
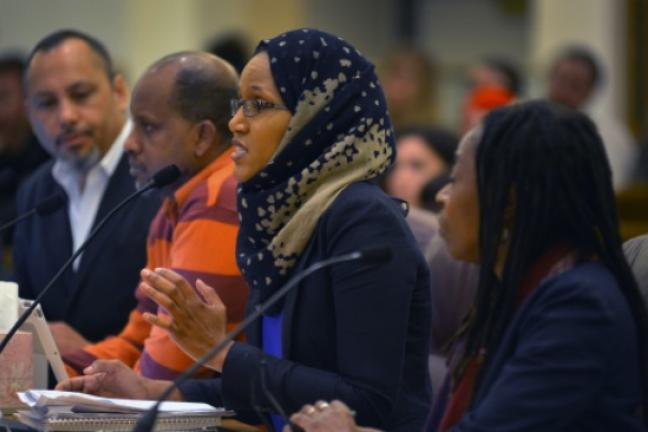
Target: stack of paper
column 66, row 411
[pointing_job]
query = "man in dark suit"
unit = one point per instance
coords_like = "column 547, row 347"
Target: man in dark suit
column 77, row 107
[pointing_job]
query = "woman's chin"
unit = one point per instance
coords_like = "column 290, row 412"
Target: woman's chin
column 242, row 173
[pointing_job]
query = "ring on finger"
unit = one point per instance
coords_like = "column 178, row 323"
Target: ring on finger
column 310, row 410
column 321, row 405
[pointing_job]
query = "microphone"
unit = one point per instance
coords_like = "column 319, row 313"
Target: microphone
column 370, row 255
column 162, row 178
column 46, row 207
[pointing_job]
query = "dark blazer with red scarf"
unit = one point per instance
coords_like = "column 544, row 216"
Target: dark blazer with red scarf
column 567, row 362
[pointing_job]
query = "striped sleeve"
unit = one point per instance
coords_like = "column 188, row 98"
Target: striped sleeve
column 203, row 246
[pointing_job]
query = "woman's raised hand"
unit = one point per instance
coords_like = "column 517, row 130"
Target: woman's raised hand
column 196, row 325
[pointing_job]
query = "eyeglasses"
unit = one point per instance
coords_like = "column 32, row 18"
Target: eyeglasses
column 252, row 107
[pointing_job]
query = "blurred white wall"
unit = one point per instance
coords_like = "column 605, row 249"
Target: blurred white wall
column 370, row 25
column 137, row 32
column 460, row 31
column 24, row 22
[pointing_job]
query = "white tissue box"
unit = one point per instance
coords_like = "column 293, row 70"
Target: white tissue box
column 8, row 304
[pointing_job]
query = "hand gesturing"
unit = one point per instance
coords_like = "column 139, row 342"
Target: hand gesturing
column 194, row 324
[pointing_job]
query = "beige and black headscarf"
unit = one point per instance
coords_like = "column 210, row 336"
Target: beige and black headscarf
column 340, row 133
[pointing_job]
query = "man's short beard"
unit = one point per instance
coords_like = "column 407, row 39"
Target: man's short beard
column 84, row 163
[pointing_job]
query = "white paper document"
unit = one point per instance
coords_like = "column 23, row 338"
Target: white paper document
column 51, row 398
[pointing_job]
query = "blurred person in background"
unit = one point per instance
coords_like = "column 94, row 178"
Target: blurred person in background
column 493, row 82
column 423, row 154
column 576, row 76
column 480, row 101
column 409, row 80
column 496, row 71
column 20, row 152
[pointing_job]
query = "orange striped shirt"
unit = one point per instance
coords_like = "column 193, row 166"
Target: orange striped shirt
column 194, row 233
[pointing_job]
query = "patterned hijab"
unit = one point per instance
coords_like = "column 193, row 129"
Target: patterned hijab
column 339, row 133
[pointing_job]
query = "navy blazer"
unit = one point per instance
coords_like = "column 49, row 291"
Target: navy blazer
column 97, row 298
column 356, row 332
column 567, row 362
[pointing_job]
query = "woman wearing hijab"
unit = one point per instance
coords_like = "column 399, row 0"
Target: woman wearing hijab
column 310, row 131
column 557, row 339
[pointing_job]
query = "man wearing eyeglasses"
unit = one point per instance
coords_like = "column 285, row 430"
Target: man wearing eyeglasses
column 180, row 110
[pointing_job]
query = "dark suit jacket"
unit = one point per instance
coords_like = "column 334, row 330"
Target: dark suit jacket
column 567, row 362
column 96, row 299
column 356, row 332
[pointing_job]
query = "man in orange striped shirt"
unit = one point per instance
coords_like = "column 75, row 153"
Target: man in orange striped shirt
column 180, row 110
